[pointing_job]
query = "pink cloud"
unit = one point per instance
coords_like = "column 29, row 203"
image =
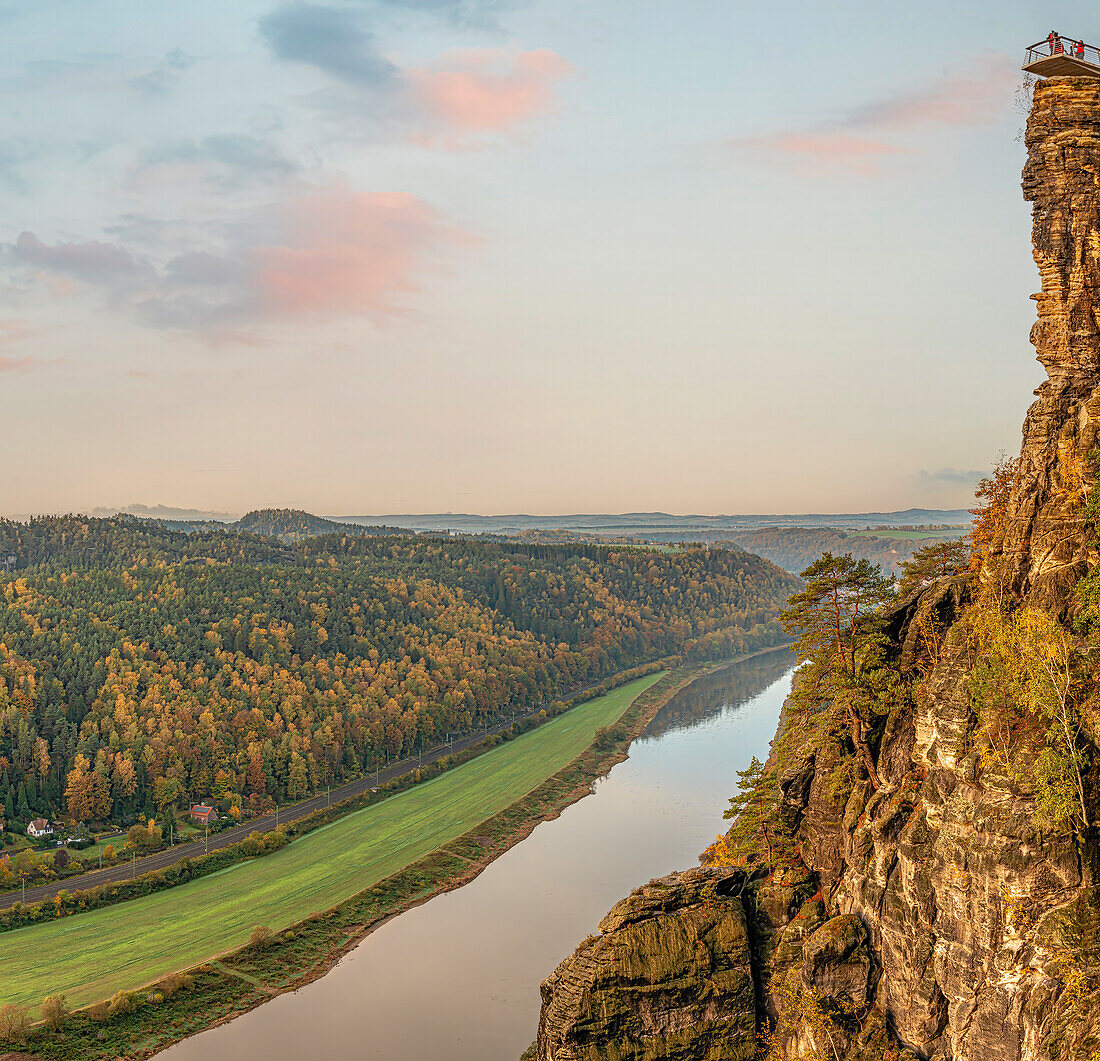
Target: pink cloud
column 14, row 330
column 828, row 145
column 977, row 97
column 478, row 91
column 856, row 141
column 326, row 252
column 348, row 252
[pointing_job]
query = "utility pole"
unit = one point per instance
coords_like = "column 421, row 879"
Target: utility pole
column 207, row 851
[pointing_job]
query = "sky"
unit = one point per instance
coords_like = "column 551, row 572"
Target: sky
column 391, row 256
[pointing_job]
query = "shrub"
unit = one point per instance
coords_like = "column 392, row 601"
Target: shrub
column 54, row 1011
column 13, row 1023
column 174, row 983
column 261, row 937
column 108, row 852
column 122, row 1003
column 99, row 1010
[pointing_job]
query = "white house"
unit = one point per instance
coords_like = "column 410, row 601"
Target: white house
column 39, row 828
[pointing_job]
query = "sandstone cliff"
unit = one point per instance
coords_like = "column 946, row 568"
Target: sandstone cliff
column 1045, row 545
column 669, row 976
column 932, row 917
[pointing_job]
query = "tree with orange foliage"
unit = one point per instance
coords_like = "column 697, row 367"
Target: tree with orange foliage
column 993, row 494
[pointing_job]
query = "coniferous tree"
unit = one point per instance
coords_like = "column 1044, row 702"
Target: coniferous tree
column 837, row 623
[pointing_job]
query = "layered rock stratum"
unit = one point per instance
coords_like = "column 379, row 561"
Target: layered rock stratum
column 1046, row 544
column 933, row 912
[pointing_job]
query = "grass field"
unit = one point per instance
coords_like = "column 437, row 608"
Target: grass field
column 90, row 956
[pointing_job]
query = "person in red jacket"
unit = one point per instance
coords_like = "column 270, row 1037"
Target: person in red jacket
column 1079, row 50
column 1055, row 42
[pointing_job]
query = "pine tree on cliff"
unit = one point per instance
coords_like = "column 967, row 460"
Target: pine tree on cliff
column 837, row 623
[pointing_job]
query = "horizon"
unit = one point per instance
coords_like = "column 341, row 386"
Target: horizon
column 169, row 512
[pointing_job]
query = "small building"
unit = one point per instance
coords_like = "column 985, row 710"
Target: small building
column 39, row 828
column 204, row 813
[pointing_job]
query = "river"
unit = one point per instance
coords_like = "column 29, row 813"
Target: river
column 458, row 977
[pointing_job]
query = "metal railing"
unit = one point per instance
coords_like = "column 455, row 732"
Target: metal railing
column 1059, row 45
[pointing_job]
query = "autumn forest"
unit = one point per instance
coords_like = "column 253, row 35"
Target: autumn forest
column 142, row 666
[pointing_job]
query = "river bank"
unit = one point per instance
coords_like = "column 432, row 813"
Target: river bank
column 458, row 976
column 238, row 981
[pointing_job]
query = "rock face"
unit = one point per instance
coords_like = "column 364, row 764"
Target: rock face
column 1046, row 549
column 953, row 879
column 669, row 976
column 931, row 918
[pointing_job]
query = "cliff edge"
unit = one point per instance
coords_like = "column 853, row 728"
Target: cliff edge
column 933, row 911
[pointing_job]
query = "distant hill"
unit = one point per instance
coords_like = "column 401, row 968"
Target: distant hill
column 795, row 548
column 792, row 548
column 634, row 523
column 165, row 512
column 287, row 525
column 294, row 525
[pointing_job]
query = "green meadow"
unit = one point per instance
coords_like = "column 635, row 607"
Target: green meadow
column 90, row 956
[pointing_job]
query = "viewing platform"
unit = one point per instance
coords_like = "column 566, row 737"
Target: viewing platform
column 1059, row 56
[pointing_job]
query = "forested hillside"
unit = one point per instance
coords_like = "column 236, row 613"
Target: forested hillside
column 141, row 665
column 294, row 525
column 795, row 548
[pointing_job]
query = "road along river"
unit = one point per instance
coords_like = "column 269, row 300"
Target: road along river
column 458, row 977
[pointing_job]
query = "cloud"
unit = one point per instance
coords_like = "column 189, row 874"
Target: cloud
column 165, row 75
column 14, row 330
column 460, row 12
column 227, row 160
column 482, row 91
column 448, row 103
column 14, row 154
column 978, row 96
column 93, row 261
column 952, row 476
column 331, row 252
column 346, row 252
column 329, row 39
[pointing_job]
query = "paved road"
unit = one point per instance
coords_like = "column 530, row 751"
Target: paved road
column 289, row 813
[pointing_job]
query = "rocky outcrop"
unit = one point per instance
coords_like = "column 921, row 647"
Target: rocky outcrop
column 952, row 877
column 931, row 917
column 669, row 976
column 836, row 964
column 1047, row 549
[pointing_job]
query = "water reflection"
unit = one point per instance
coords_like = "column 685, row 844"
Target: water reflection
column 720, row 691
column 458, row 977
